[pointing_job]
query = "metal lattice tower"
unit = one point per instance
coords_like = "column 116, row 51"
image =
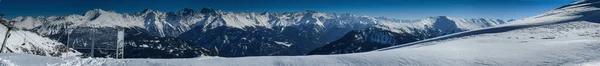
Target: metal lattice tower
column 120, row 44
column 9, row 26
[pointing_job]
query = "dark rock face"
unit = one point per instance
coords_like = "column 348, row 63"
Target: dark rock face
column 260, row 41
column 371, row 39
column 142, row 45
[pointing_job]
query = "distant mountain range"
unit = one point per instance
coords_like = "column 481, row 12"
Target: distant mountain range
column 249, row 34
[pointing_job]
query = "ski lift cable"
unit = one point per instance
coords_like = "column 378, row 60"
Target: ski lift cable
column 27, row 37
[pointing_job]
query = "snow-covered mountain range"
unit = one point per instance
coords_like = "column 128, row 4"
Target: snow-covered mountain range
column 567, row 36
column 174, row 23
column 241, row 33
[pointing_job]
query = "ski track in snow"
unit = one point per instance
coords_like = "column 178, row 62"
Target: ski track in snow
column 284, row 43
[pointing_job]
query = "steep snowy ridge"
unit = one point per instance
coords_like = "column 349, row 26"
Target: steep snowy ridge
column 26, row 42
column 169, row 23
column 242, row 20
column 29, row 22
column 102, row 18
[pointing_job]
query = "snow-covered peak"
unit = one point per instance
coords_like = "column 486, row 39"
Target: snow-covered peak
column 312, row 17
column 265, row 13
column 187, row 11
column 28, row 22
column 439, row 17
column 439, row 21
column 208, row 11
column 311, row 11
column 147, row 10
column 101, row 18
column 97, row 12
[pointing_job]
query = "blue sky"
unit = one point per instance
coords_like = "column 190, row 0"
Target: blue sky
column 399, row 9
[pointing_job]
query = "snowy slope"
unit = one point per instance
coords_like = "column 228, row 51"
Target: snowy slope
column 389, row 34
column 31, row 43
column 585, row 10
column 570, row 36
